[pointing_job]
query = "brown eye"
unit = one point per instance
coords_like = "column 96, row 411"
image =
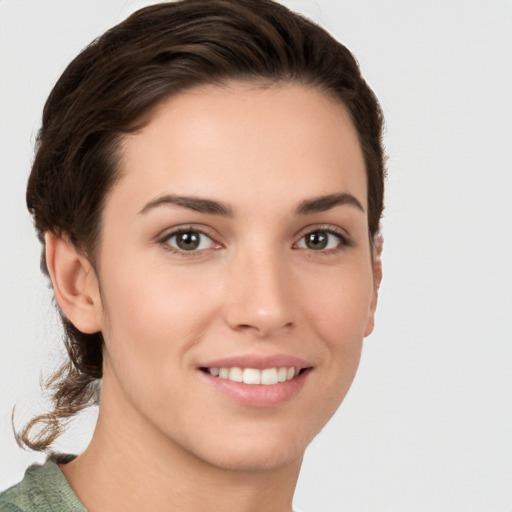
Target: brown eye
column 190, row 240
column 322, row 240
column 316, row 241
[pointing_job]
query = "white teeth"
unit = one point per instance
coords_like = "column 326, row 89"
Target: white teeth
column 235, row 374
column 252, row 376
column 281, row 374
column 267, row 377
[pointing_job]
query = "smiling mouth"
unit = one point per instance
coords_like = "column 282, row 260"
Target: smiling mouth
column 255, row 376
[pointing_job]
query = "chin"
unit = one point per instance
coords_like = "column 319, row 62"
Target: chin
column 257, row 448
column 256, row 459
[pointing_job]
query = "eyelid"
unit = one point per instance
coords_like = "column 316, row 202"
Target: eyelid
column 168, row 233
column 345, row 239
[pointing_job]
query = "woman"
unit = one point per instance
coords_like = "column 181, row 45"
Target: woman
column 208, row 187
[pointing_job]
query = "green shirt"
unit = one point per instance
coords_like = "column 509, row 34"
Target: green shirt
column 43, row 489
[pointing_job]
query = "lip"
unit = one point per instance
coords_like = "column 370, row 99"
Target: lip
column 258, row 362
column 258, row 395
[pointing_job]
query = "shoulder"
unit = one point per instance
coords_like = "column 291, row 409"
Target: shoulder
column 22, row 496
column 7, row 504
column 43, row 488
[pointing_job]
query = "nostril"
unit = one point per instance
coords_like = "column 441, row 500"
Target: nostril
column 263, row 328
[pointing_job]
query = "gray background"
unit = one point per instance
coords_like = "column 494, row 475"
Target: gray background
column 427, row 425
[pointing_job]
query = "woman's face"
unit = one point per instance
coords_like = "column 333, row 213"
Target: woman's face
column 235, row 243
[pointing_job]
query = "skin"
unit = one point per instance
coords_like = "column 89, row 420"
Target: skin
column 165, row 436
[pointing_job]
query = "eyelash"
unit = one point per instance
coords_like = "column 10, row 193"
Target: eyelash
column 344, row 241
column 164, row 241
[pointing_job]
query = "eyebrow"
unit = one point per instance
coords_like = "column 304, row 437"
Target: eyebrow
column 324, row 203
column 315, row 205
column 197, row 204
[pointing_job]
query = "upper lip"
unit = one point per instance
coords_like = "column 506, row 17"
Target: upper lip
column 257, row 362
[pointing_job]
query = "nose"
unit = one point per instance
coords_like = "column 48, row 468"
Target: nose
column 259, row 295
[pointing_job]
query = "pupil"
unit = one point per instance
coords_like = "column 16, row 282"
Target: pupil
column 188, row 241
column 317, row 240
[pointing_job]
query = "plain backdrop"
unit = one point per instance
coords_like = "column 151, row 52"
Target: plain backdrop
column 427, row 425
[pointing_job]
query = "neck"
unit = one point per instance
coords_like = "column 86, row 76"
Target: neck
column 128, row 467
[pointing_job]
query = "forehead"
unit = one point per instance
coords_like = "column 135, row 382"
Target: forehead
column 242, row 140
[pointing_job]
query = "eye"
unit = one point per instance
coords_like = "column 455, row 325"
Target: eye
column 189, row 240
column 322, row 240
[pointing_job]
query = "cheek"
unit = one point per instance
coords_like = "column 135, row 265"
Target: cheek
column 340, row 304
column 339, row 308
column 154, row 314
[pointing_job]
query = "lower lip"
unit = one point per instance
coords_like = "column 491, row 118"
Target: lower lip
column 259, row 395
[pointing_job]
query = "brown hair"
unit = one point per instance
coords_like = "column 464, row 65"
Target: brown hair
column 110, row 89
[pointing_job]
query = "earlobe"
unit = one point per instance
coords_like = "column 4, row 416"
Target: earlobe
column 74, row 283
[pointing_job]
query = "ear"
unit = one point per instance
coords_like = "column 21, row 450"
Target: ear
column 377, row 278
column 74, row 283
